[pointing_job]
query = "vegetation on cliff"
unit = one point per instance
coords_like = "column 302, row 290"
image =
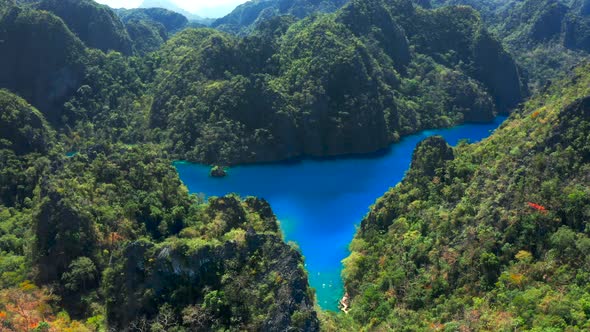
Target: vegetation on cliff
column 481, row 237
column 350, row 82
column 96, row 25
column 245, row 17
column 486, row 236
column 109, row 228
column 547, row 37
column 40, row 58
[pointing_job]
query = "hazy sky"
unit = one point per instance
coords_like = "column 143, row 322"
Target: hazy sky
column 193, row 6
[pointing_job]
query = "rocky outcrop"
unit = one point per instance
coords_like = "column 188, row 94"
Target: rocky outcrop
column 251, row 281
column 498, row 72
column 430, row 155
column 373, row 19
column 548, row 23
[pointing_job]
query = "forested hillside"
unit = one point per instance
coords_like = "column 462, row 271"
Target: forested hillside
column 491, row 236
column 547, row 37
column 97, row 231
column 149, row 28
column 103, row 231
column 350, row 82
column 70, row 227
column 246, row 16
column 40, row 58
column 96, row 25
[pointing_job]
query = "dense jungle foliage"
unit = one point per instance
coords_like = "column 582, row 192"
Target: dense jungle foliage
column 97, row 231
column 113, row 238
column 246, row 16
column 547, row 37
column 349, row 82
column 485, row 237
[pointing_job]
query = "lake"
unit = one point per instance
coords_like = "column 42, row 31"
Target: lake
column 319, row 202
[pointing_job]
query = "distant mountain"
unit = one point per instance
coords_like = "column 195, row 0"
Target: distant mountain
column 217, row 10
column 149, row 28
column 171, row 20
column 245, row 16
column 167, row 4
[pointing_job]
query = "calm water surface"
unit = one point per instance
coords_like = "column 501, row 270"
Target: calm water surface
column 320, row 202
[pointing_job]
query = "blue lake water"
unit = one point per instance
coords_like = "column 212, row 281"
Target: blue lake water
column 319, row 202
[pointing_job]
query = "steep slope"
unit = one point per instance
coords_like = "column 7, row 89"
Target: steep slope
column 111, row 226
column 149, row 28
column 491, row 236
column 349, row 82
column 244, row 17
column 171, row 20
column 96, row 25
column 147, row 35
column 208, row 282
column 24, row 137
column 547, row 37
column 23, row 129
column 40, row 59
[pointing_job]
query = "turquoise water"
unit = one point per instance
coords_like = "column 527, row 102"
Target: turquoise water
column 320, row 201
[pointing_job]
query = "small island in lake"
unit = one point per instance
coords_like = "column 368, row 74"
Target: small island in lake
column 217, row 172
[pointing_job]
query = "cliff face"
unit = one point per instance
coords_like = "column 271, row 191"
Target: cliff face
column 267, row 290
column 96, row 25
column 151, row 255
column 147, row 36
column 25, row 136
column 546, row 37
column 431, row 155
column 172, row 21
column 40, row 59
column 505, row 218
column 329, row 84
column 23, row 129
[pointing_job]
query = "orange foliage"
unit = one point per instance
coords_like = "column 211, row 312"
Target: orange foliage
column 23, row 308
column 538, row 207
column 437, row 327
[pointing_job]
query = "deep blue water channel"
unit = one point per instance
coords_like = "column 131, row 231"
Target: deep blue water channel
column 319, row 202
